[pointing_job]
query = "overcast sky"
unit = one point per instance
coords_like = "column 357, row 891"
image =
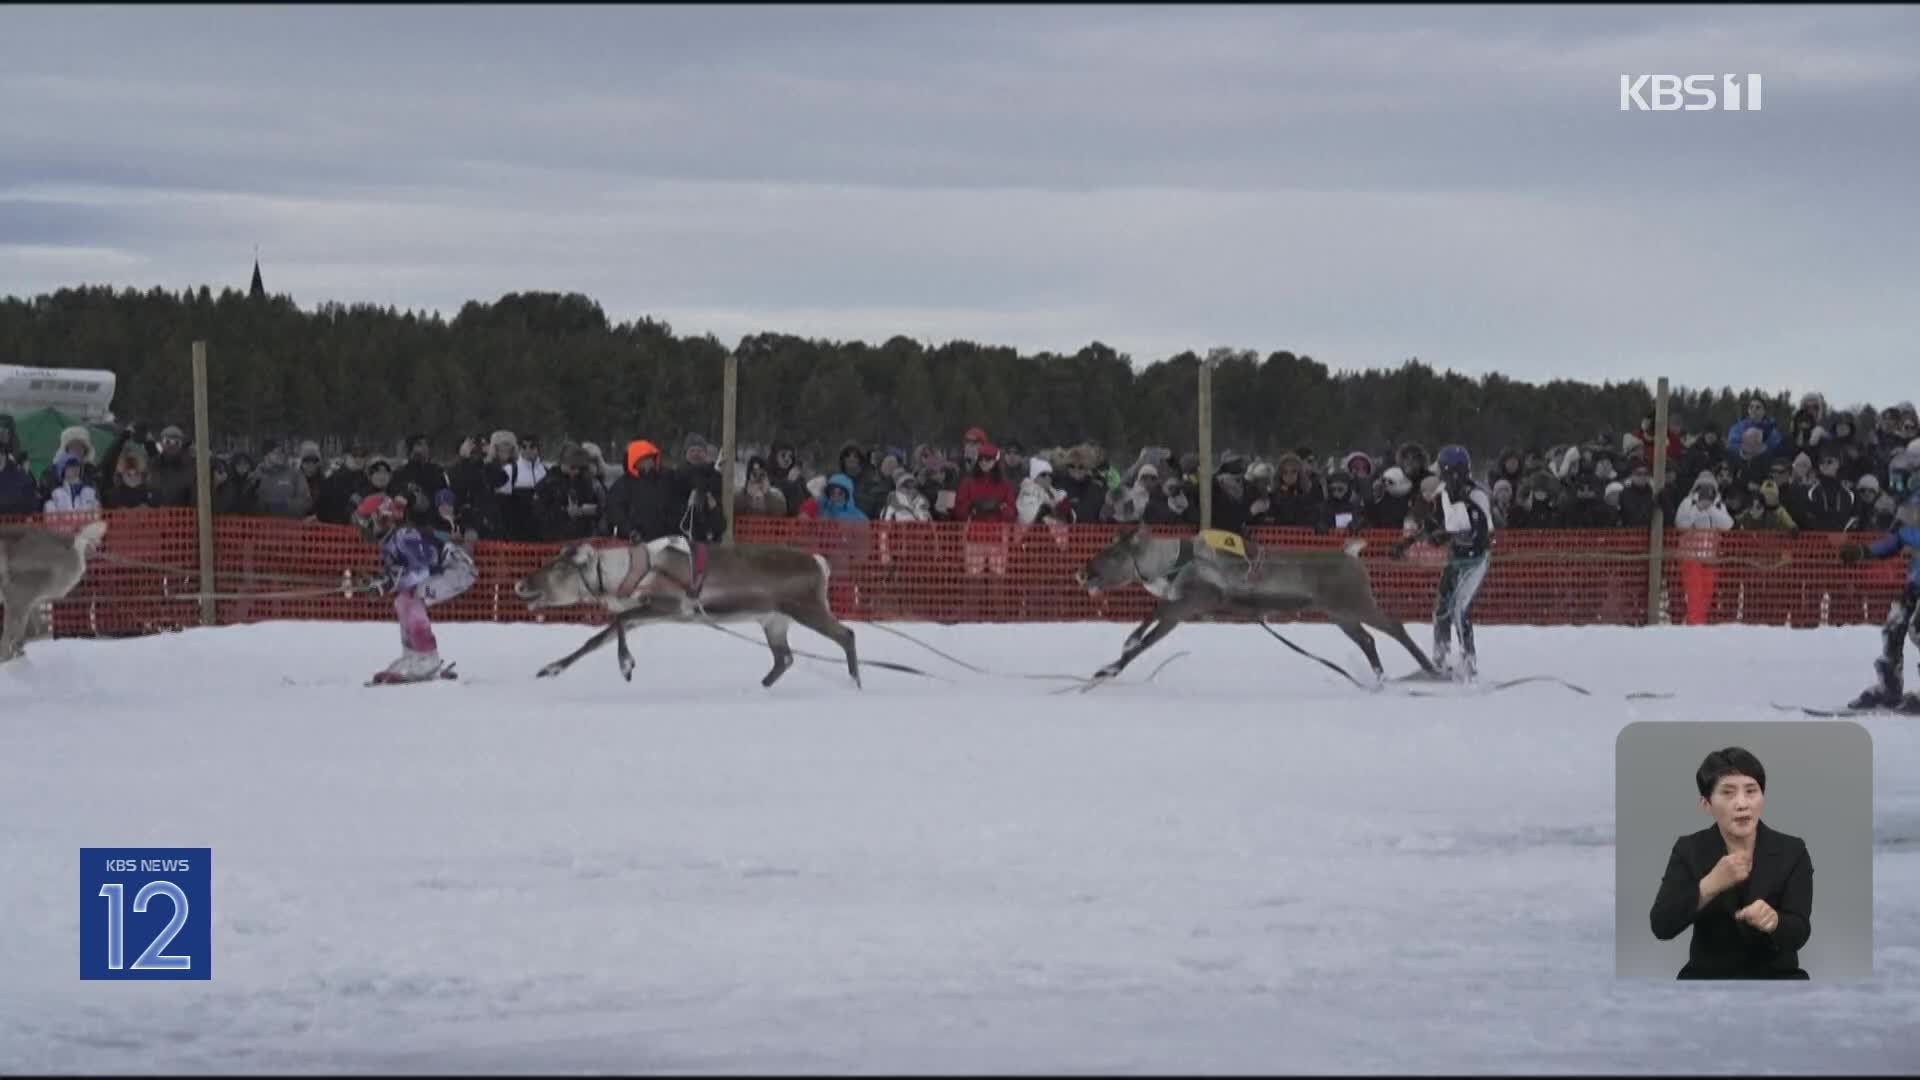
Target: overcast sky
column 1362, row 184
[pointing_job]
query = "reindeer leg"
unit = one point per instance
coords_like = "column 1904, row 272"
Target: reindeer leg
column 1360, row 637
column 15, row 624
column 1396, row 630
column 1166, row 616
column 565, row 662
column 625, row 654
column 13, row 628
column 821, row 621
column 1160, row 629
column 776, row 629
column 616, row 631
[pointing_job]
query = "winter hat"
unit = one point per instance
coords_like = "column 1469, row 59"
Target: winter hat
column 504, row 437
column 1038, row 467
column 1868, row 482
column 592, row 450
column 309, row 449
column 1358, row 463
column 1503, row 488
column 639, row 450
column 817, row 486
column 379, row 465
column 60, row 464
column 1768, row 487
column 1145, row 471
column 77, row 434
column 1260, row 470
column 1612, row 494
column 1396, row 480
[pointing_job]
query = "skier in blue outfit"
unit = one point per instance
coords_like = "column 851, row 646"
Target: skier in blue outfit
column 1903, row 621
column 421, row 571
column 1461, row 517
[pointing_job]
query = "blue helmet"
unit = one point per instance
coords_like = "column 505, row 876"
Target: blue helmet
column 1454, row 463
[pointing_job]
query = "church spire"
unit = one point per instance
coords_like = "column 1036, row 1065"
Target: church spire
column 258, row 290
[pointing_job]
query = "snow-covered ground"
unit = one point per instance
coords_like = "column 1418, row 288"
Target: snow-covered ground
column 1244, row 865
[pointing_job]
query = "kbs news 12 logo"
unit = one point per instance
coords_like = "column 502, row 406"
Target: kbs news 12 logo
column 146, row 913
column 1689, row 93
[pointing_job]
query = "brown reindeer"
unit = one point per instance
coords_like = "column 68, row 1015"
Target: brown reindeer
column 1220, row 572
column 683, row 582
column 38, row 565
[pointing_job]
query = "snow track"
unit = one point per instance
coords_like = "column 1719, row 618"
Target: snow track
column 1246, row 865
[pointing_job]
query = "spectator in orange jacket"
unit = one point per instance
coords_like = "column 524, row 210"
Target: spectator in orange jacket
column 985, row 494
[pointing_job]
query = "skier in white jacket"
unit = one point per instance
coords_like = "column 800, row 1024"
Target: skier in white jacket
column 1703, row 509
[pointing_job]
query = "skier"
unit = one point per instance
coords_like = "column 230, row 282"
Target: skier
column 421, row 571
column 1461, row 516
column 1903, row 620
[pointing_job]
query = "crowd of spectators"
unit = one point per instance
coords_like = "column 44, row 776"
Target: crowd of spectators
column 1818, row 471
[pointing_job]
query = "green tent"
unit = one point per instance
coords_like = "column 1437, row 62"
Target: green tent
column 38, row 433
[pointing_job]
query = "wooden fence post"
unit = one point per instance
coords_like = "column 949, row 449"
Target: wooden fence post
column 1206, row 444
column 203, row 481
column 730, row 394
column 1657, row 534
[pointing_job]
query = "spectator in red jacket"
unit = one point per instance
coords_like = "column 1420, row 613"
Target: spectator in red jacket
column 985, row 494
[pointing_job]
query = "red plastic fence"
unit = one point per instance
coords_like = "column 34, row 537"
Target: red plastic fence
column 144, row 579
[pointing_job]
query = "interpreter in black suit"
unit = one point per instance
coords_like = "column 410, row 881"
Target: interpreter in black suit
column 1746, row 889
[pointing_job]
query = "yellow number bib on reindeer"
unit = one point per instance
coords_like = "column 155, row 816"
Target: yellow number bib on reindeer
column 1224, row 541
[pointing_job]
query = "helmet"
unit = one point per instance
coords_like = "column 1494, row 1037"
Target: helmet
column 377, row 514
column 1456, row 465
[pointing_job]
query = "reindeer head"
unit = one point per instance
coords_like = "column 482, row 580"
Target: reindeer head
column 562, row 581
column 1119, row 564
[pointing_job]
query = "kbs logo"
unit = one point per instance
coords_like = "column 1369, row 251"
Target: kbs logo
column 146, row 913
column 1689, row 93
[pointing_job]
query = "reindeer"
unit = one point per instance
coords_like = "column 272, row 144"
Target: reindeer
column 682, row 582
column 1196, row 576
column 37, row 566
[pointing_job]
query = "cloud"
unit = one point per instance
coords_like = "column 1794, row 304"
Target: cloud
column 1362, row 184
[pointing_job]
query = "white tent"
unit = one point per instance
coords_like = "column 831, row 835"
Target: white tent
column 84, row 395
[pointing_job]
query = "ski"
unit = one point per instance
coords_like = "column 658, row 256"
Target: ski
column 1474, row 689
column 1844, row 711
column 446, row 673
